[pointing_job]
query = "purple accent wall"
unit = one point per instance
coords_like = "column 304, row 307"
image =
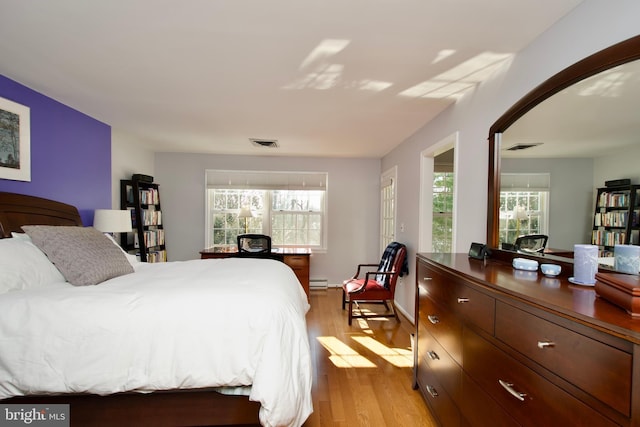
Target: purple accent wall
column 70, row 153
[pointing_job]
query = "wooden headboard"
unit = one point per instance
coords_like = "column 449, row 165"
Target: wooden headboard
column 17, row 210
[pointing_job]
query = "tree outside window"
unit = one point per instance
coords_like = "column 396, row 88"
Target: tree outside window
column 293, row 218
column 522, row 213
column 442, row 233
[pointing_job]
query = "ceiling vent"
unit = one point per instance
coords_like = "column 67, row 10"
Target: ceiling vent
column 269, row 143
column 518, row 147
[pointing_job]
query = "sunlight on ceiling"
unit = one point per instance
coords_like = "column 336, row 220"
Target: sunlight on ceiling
column 457, row 81
column 326, row 49
column 325, row 74
column 443, row 54
column 606, row 85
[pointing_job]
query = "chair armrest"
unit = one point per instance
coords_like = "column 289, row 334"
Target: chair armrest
column 375, row 273
column 378, row 273
column 355, row 276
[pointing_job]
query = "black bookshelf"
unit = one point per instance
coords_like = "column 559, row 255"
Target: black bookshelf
column 616, row 217
column 147, row 239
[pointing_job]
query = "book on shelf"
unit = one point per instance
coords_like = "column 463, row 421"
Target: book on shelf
column 617, row 199
column 608, row 238
column 151, row 217
column 149, row 196
column 157, row 256
column 611, row 219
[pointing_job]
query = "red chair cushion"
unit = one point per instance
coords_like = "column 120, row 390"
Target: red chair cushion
column 373, row 290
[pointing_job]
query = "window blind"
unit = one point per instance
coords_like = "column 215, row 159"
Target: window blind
column 525, row 182
column 266, row 180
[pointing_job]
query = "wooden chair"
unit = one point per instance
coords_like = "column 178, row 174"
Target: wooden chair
column 377, row 286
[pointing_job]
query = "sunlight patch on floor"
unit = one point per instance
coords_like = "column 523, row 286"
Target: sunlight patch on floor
column 399, row 357
column 343, row 356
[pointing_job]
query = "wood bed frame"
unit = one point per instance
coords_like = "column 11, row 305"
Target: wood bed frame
column 201, row 407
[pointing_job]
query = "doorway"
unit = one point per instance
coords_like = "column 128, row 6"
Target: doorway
column 438, row 196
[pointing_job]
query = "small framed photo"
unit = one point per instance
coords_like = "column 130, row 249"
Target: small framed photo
column 15, row 141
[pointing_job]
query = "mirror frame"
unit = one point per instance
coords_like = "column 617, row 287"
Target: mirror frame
column 618, row 54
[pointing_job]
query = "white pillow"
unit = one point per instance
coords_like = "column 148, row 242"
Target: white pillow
column 24, row 266
column 20, row 236
column 133, row 260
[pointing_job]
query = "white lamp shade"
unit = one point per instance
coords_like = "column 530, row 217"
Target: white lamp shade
column 519, row 213
column 245, row 212
column 112, row 221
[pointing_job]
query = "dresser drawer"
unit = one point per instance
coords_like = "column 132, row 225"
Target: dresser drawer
column 527, row 396
column 474, row 306
column 433, row 356
column 443, row 324
column 479, row 409
column 605, row 373
column 437, row 286
column 444, row 409
column 297, row 261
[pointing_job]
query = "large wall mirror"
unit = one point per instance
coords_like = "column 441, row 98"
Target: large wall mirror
column 560, row 143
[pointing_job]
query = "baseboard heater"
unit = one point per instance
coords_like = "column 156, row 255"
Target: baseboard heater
column 318, row 283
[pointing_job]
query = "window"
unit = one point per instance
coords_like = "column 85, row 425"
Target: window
column 388, row 200
column 289, row 207
column 524, row 205
column 442, row 235
column 224, row 209
column 297, row 217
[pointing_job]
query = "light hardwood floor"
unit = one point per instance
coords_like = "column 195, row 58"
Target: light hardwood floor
column 362, row 373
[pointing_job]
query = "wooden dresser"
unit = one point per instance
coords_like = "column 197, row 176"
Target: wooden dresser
column 503, row 347
column 297, row 259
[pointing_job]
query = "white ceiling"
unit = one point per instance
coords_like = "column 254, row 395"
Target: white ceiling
column 595, row 117
column 344, row 78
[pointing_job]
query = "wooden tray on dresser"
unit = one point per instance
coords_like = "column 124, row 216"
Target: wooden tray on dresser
column 620, row 289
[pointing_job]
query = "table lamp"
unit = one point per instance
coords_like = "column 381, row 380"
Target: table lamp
column 245, row 212
column 112, row 221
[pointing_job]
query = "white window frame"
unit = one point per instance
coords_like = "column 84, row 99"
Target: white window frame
column 388, row 203
column 523, row 185
column 267, row 181
column 445, row 214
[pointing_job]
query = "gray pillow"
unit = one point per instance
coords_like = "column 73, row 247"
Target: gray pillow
column 83, row 255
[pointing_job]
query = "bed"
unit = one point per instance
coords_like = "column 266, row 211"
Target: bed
column 201, row 342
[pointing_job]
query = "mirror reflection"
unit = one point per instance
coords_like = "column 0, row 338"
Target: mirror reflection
column 555, row 157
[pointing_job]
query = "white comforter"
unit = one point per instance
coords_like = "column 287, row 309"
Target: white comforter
column 191, row 324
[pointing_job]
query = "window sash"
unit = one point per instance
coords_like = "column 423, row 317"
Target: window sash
column 287, row 228
column 442, row 221
column 388, row 212
column 535, row 206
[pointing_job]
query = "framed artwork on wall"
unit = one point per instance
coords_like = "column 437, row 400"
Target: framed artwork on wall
column 15, row 141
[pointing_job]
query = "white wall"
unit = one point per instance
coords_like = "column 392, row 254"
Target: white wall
column 618, row 165
column 128, row 156
column 592, row 26
column 353, row 205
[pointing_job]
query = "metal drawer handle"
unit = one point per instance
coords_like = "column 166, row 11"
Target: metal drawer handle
column 462, row 300
column 545, row 344
column 433, row 355
column 427, row 278
column 509, row 387
column 433, row 319
column 432, row 391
